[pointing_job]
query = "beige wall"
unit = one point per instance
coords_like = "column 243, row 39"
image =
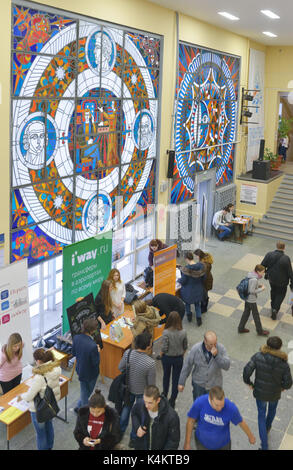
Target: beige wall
column 144, row 16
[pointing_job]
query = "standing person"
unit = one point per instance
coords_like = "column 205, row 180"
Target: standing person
column 174, row 346
column 10, row 363
column 146, row 318
column 47, row 371
column 192, row 289
column 213, row 414
column 279, row 273
column 167, row 303
column 87, row 356
column 104, row 305
column 155, row 423
column 117, row 292
column 207, row 261
column 272, row 377
column 283, row 147
column 142, row 372
column 206, row 361
column 222, row 227
column 254, row 287
column 97, row 426
column 154, row 246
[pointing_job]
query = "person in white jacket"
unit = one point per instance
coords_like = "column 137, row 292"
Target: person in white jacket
column 46, row 367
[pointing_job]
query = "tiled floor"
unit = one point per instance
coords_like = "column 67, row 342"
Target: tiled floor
column 231, row 264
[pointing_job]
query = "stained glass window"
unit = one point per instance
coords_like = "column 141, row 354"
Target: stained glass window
column 85, row 101
column 205, row 121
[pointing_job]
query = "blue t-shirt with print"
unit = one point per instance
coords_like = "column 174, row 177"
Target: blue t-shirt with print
column 213, row 427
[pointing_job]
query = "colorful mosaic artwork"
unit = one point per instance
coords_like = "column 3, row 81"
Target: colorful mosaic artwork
column 206, row 114
column 84, row 129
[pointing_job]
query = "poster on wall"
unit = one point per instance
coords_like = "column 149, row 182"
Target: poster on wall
column 14, row 307
column 86, row 265
column 248, row 194
column 165, row 270
column 255, row 82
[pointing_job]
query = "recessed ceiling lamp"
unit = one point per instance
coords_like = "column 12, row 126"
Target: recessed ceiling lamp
column 270, row 14
column 268, row 33
column 228, row 15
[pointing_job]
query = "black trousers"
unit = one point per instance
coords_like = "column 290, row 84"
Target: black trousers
column 248, row 309
column 278, row 294
column 7, row 386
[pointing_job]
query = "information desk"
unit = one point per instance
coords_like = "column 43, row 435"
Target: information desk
column 112, row 351
column 20, row 419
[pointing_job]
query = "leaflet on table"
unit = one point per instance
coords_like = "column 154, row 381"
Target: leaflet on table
column 21, row 405
column 9, row 415
column 104, row 336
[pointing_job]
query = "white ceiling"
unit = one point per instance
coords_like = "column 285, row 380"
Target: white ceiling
column 251, row 23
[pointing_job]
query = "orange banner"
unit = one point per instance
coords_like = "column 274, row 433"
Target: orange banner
column 165, row 270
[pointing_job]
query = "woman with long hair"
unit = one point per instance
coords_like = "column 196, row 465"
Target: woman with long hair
column 207, row 260
column 47, row 371
column 97, row 426
column 174, row 346
column 104, row 303
column 10, row 363
column 117, row 292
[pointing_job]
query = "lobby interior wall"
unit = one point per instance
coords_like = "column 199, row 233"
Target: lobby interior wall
column 279, row 74
column 140, row 15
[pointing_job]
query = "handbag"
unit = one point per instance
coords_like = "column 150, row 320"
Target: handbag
column 119, row 392
column 46, row 407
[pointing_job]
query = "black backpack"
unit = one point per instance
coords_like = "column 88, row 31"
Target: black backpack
column 47, row 407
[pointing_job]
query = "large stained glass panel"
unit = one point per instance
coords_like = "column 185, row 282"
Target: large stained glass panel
column 84, row 128
column 205, row 121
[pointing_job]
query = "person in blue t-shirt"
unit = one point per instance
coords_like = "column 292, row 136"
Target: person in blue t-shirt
column 213, row 414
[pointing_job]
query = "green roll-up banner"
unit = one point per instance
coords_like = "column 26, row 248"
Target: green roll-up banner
column 86, row 265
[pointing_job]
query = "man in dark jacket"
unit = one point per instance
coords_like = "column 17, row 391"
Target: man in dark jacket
column 272, row 376
column 155, row 422
column 167, row 303
column 87, row 356
column 279, row 273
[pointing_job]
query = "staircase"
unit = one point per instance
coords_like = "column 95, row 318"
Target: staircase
column 277, row 223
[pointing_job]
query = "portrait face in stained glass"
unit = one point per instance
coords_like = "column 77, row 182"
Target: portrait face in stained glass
column 206, row 113
column 85, row 106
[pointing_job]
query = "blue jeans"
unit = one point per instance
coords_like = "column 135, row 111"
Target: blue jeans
column 226, row 231
column 197, row 306
column 86, row 389
column 44, row 432
column 197, row 391
column 265, row 419
column 125, row 413
column 174, row 364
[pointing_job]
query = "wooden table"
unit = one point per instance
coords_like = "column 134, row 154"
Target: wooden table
column 112, row 351
column 24, row 419
column 238, row 238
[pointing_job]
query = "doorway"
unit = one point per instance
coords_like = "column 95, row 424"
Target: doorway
column 205, row 188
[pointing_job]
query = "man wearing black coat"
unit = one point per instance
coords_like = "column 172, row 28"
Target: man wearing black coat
column 272, row 376
column 155, row 422
column 167, row 303
column 279, row 273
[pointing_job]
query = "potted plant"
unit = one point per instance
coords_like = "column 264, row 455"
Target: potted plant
column 285, row 126
column 273, row 158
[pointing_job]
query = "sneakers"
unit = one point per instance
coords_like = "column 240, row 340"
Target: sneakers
column 244, row 330
column 264, row 333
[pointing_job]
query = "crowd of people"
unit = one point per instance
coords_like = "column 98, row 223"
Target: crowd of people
column 155, row 424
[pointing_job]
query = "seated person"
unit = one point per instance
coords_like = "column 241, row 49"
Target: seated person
column 230, row 213
column 222, row 227
column 146, row 318
column 167, row 303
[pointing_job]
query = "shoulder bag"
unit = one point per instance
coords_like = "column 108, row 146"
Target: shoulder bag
column 47, row 407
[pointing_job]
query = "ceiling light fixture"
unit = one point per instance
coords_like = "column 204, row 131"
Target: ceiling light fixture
column 270, row 14
column 268, row 33
column 228, row 15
